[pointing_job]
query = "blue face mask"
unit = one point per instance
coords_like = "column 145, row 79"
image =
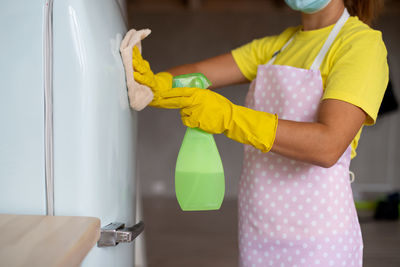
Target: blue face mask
column 307, row 6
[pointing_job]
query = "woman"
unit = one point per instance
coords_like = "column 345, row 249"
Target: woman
column 313, row 88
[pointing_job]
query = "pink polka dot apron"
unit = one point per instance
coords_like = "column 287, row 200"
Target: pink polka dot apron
column 293, row 213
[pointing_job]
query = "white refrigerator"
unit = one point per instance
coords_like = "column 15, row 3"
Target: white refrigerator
column 68, row 136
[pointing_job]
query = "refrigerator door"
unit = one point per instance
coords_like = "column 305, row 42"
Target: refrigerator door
column 22, row 183
column 94, row 127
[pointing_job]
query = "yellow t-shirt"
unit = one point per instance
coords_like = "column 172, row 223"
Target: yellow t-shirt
column 354, row 70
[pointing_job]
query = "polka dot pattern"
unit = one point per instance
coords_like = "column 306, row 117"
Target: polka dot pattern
column 292, row 93
column 292, row 213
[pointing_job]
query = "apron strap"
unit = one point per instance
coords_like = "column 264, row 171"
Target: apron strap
column 325, row 48
column 332, row 36
column 272, row 60
column 352, row 177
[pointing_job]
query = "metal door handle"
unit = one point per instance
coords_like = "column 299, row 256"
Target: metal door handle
column 116, row 232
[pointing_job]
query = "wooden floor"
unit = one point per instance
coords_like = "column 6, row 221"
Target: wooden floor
column 207, row 239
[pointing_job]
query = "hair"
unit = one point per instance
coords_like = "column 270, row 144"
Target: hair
column 366, row 10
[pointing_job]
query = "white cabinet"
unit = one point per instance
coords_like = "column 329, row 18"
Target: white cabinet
column 93, row 129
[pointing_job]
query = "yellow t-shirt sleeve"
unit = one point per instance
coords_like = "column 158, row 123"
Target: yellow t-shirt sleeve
column 359, row 73
column 259, row 51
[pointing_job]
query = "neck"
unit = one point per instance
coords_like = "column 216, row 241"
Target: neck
column 327, row 16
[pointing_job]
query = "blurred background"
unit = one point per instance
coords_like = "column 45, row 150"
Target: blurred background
column 192, row 30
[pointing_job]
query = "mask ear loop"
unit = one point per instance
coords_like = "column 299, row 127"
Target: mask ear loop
column 352, row 177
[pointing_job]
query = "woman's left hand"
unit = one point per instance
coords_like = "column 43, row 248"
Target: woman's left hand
column 213, row 113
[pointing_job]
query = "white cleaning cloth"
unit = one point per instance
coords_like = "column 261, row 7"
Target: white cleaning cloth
column 139, row 95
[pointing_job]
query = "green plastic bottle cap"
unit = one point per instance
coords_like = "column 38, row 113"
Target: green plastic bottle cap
column 191, row 80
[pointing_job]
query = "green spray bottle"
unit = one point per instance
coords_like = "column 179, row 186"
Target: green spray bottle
column 199, row 174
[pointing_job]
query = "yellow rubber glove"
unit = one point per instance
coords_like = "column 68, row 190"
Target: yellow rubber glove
column 144, row 75
column 213, row 113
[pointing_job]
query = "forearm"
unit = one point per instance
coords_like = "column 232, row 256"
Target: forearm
column 318, row 143
column 324, row 141
column 313, row 143
column 183, row 69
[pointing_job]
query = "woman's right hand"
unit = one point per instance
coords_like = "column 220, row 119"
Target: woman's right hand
column 143, row 74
